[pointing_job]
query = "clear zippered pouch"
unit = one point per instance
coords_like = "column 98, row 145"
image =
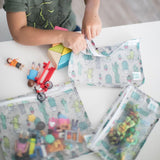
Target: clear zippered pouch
column 109, row 66
column 54, row 129
column 126, row 126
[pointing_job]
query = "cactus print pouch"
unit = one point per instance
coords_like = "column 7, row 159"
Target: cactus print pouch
column 110, row 66
column 54, row 129
column 126, row 126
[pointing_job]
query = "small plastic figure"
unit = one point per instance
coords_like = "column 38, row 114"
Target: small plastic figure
column 21, row 147
column 15, row 63
column 33, row 72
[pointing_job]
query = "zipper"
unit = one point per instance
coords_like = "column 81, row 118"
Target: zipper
column 115, row 117
column 57, row 89
column 104, row 123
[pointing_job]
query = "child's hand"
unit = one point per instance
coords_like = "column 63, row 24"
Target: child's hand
column 74, row 41
column 91, row 25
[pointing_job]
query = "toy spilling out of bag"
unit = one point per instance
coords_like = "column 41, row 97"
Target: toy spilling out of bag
column 126, row 126
column 110, row 66
column 54, row 129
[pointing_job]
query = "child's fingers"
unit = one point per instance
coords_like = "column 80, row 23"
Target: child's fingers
column 93, row 32
column 98, row 31
column 88, row 33
column 79, row 47
column 83, row 31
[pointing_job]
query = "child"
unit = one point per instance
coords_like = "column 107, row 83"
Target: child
column 31, row 22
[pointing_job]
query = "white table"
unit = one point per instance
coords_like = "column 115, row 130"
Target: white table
column 13, row 82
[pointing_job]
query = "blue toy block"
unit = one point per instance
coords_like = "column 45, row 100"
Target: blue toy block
column 64, row 60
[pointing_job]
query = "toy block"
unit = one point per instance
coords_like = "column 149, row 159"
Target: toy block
column 59, row 48
column 60, row 28
column 54, row 57
column 53, row 45
column 66, row 51
column 63, row 62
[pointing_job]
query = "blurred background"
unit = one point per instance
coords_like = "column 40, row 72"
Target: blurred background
column 122, row 12
column 112, row 13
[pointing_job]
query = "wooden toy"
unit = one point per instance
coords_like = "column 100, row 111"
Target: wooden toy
column 58, row 54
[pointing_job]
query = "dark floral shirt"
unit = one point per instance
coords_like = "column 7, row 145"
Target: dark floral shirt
column 44, row 14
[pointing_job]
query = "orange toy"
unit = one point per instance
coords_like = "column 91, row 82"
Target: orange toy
column 15, row 63
column 55, row 147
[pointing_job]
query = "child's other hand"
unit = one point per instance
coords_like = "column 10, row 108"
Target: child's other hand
column 74, row 41
column 91, row 25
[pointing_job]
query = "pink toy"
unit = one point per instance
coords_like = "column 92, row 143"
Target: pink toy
column 21, row 146
column 60, row 28
column 52, row 123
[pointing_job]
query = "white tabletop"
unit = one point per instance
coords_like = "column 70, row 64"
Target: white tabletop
column 13, row 82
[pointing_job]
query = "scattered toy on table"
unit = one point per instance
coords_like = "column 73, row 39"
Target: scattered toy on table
column 33, row 73
column 58, row 54
column 15, row 63
column 44, row 82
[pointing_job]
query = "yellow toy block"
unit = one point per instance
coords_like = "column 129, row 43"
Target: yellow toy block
column 58, row 48
column 54, row 57
column 66, row 51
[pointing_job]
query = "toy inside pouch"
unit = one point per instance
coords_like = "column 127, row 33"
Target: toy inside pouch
column 125, row 128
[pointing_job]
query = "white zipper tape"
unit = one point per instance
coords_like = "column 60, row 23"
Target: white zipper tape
column 57, row 89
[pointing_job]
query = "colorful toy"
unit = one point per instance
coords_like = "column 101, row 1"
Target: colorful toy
column 33, row 73
column 32, row 145
column 44, row 81
column 74, row 133
column 56, row 146
column 58, row 54
column 49, row 138
column 15, row 63
column 126, row 129
column 21, row 147
column 71, row 135
column 37, row 147
column 45, row 126
column 57, row 126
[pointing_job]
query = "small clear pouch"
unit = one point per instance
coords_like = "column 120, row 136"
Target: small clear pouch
column 126, row 126
column 54, row 129
column 110, row 66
